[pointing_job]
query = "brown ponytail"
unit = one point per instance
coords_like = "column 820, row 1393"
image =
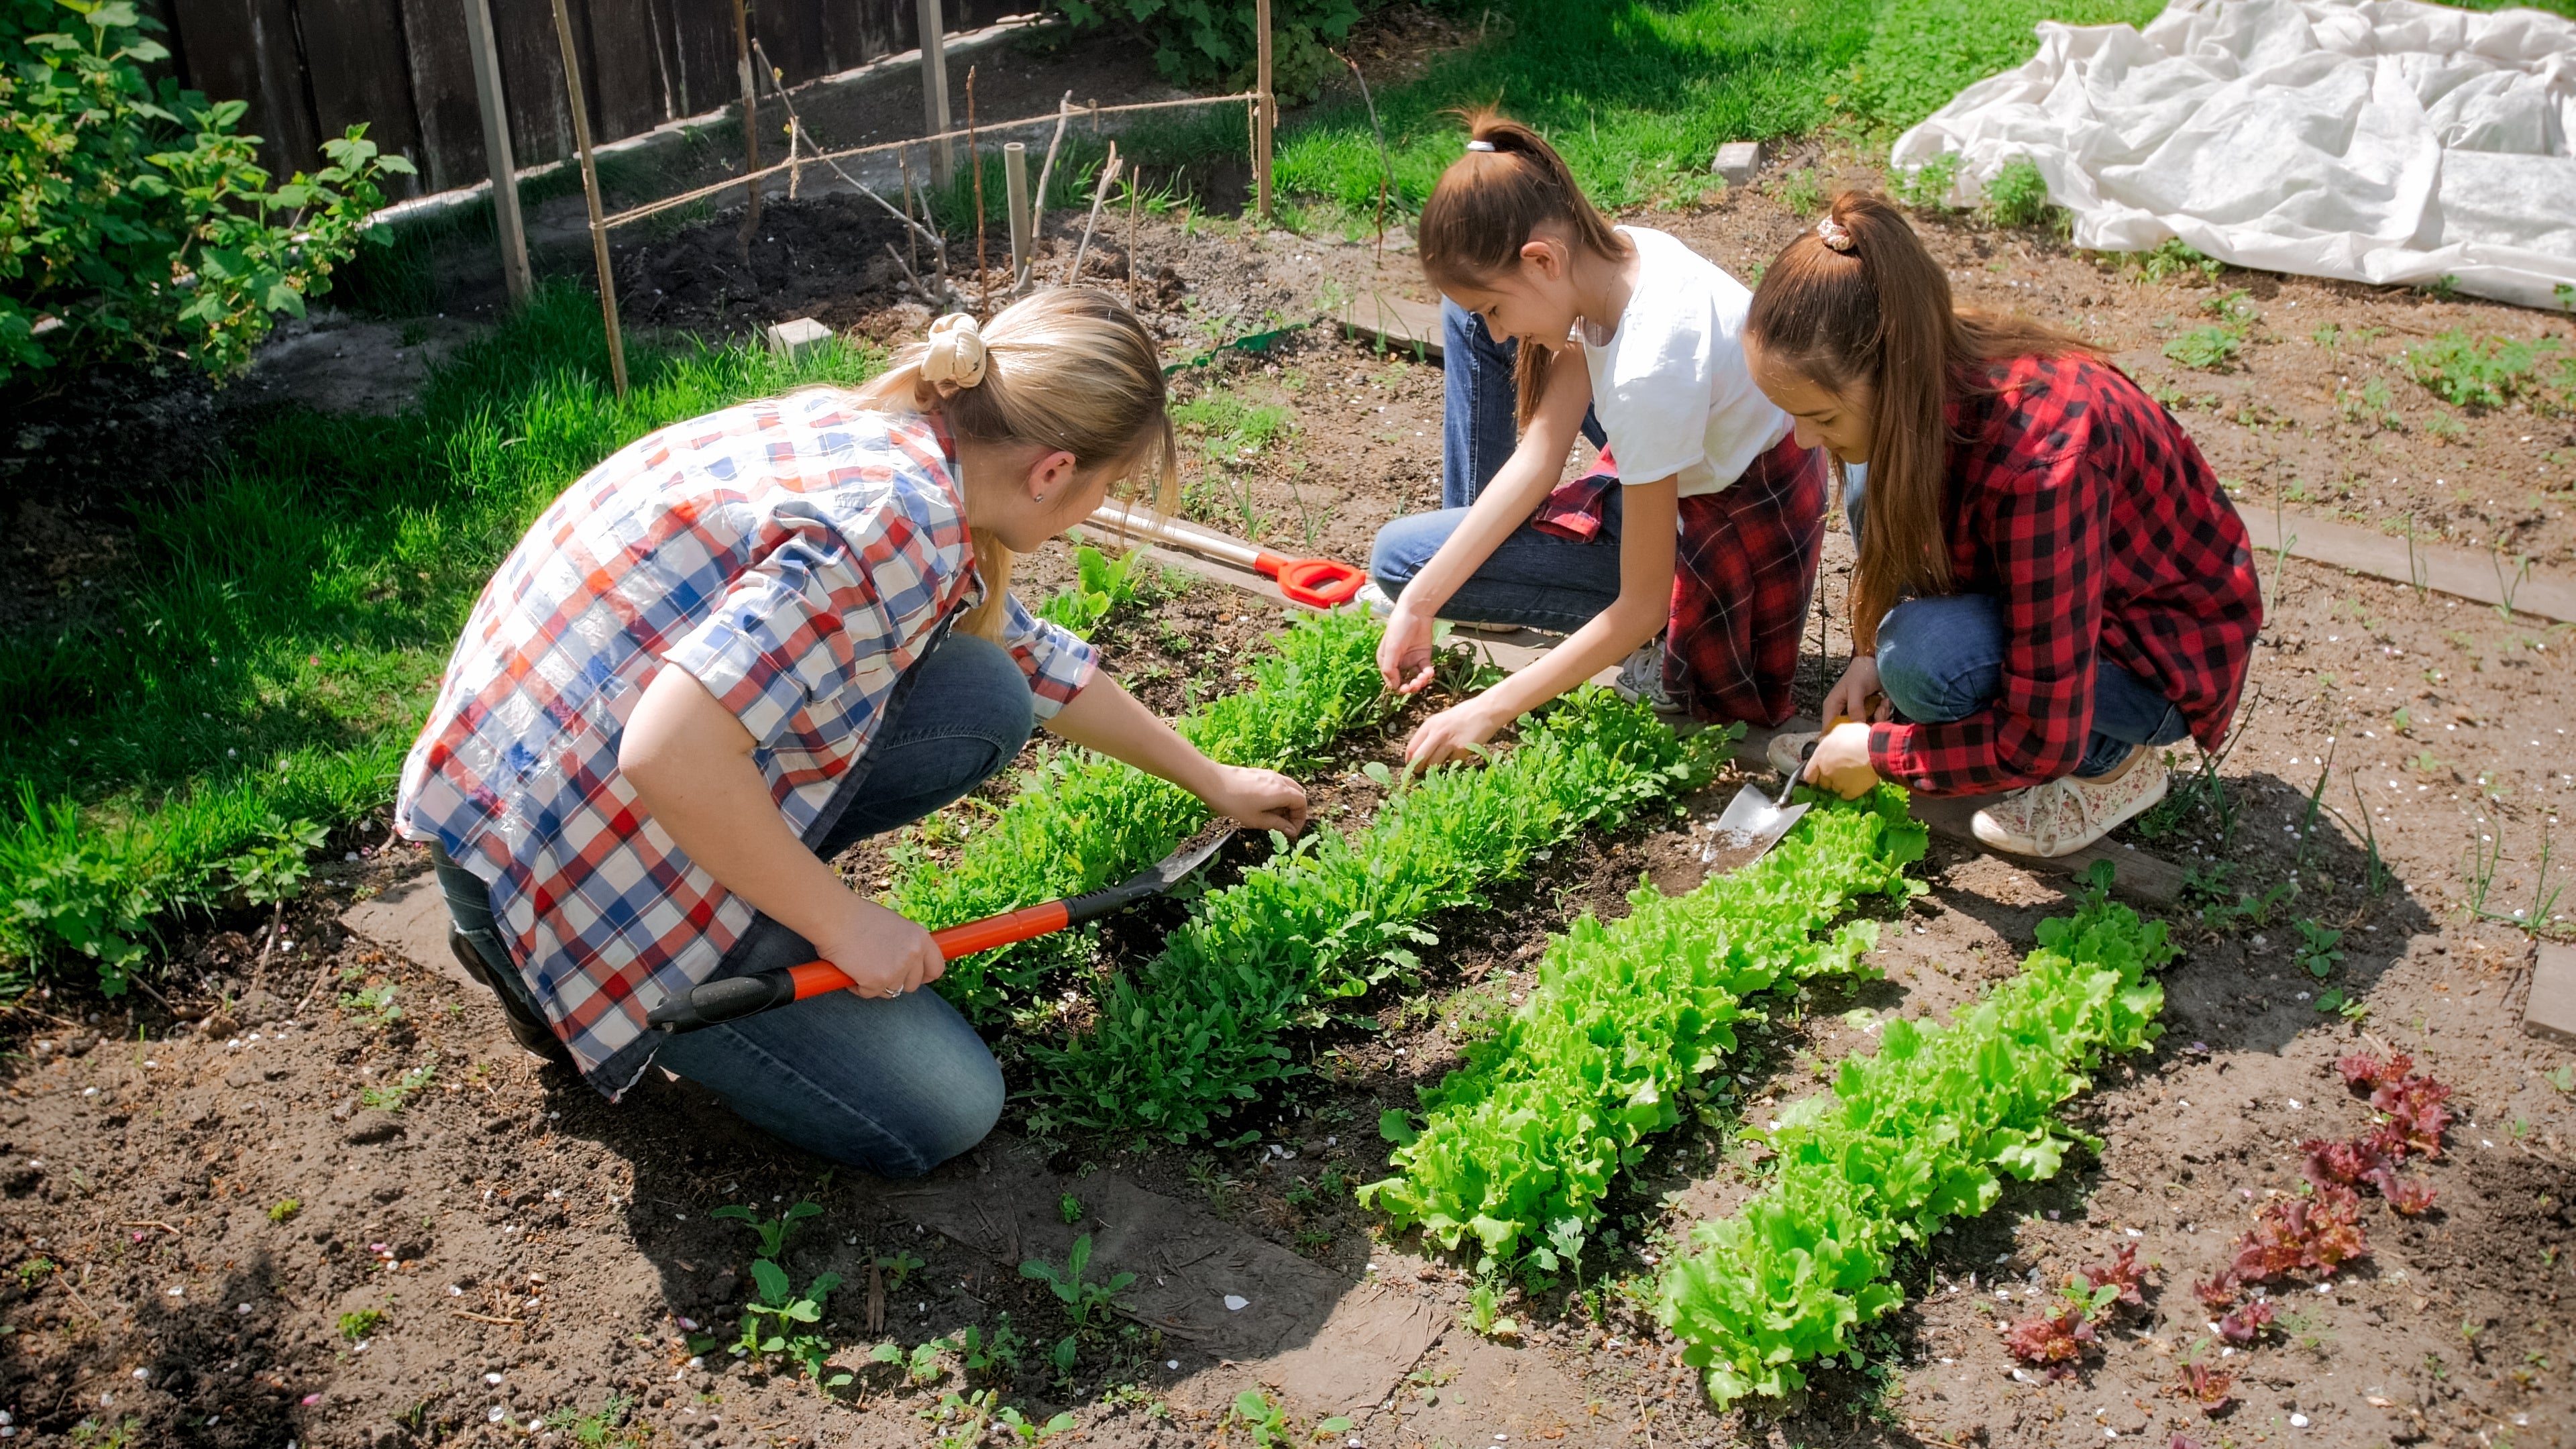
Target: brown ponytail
column 1878, row 317
column 1486, row 207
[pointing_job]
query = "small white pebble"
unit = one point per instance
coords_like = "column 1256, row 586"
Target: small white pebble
column 1171, row 1363
column 2298, row 1421
column 1236, row 1303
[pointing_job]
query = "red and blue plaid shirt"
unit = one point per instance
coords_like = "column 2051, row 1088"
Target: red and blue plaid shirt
column 796, row 556
column 2079, row 503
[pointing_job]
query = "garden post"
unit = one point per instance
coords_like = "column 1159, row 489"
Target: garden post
column 486, row 59
column 590, row 193
column 934, row 90
column 1269, row 105
column 1015, row 187
column 750, row 120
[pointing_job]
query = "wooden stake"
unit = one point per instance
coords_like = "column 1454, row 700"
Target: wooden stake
column 495, row 105
column 590, row 193
column 975, row 160
column 750, row 120
column 1135, row 194
column 934, row 90
column 1269, row 105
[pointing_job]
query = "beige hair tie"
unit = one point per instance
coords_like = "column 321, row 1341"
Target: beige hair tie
column 956, row 355
column 1835, row 234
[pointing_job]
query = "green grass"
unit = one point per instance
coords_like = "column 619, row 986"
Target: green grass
column 285, row 619
column 1638, row 94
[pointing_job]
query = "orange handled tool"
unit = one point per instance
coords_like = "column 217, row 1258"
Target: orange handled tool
column 736, row 997
column 1318, row 583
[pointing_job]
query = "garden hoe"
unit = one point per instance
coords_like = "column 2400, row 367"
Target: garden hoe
column 1318, row 583
column 736, row 997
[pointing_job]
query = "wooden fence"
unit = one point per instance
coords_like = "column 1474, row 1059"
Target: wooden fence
column 311, row 68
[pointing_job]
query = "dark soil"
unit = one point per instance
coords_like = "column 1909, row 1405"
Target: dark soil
column 138, row 1164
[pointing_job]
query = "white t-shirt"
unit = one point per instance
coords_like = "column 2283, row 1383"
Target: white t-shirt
column 1670, row 386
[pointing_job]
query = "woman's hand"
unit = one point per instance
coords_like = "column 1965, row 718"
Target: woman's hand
column 883, row 954
column 1841, row 761
column 1257, row 799
column 1856, row 695
column 1453, row 733
column 1404, row 650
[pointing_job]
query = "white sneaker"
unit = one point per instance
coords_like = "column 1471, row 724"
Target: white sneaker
column 1787, row 747
column 1374, row 599
column 2068, row 814
column 1641, row 678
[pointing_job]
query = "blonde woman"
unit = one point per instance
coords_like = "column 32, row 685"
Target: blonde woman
column 744, row 643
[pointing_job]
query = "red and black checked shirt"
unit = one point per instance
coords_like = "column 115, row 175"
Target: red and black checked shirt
column 2081, row 504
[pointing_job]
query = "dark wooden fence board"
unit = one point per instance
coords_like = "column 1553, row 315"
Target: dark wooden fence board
column 363, row 76
column 442, row 91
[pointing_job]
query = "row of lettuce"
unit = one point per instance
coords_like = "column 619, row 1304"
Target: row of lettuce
column 1630, row 1022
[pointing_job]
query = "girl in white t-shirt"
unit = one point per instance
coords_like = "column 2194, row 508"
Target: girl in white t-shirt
column 1702, row 518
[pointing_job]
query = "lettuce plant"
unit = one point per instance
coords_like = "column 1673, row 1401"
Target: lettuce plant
column 1918, row 1134
column 1521, row 1143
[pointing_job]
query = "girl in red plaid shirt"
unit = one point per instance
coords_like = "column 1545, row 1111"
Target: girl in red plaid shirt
column 2052, row 585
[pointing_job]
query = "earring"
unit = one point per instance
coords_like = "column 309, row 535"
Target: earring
column 1037, row 498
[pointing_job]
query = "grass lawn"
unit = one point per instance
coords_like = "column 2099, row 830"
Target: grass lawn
column 270, row 659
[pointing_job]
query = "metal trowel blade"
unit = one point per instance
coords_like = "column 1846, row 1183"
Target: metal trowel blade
column 1750, row 825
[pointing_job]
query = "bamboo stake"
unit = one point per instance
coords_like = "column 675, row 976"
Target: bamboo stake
column 590, row 193
column 1015, row 205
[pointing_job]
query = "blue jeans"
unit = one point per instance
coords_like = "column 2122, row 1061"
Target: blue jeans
column 896, row 1086
column 1532, row 579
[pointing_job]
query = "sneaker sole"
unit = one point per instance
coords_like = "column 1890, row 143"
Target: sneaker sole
column 1994, row 837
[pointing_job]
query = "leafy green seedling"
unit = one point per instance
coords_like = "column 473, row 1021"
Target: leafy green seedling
column 286, row 1209
column 1025, row 1432
column 1485, row 1315
column 2562, row 1076
column 1564, row 1249
column 996, row 1353
column 778, row 1309
column 390, row 1098
column 1262, row 1419
column 361, row 1324
column 773, row 1231
column 2317, row 947
column 897, row 1266
column 1080, row 1299
column 1069, row 1208
column 374, row 1005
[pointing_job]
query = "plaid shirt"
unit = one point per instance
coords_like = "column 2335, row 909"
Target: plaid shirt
column 796, row 555
column 2084, row 507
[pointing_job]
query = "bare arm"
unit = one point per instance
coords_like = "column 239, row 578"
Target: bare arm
column 1106, row 718
column 689, row 761
column 1519, row 487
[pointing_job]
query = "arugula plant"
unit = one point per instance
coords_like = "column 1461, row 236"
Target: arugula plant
column 773, row 1232
column 1521, row 1144
column 1102, row 586
column 1920, row 1133
column 773, row 1320
column 1183, row 1041
column 1080, row 1299
column 1081, row 821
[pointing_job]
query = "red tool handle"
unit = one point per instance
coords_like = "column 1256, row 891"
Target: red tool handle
column 1318, row 583
column 816, row 977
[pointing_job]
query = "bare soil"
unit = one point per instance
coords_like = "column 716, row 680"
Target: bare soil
column 533, row 1250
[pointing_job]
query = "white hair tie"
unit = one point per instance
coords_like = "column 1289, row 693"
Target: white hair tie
column 956, row 354
column 1480, row 145
column 1835, row 234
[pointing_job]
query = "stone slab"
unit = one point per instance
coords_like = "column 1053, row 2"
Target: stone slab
column 2460, row 572
column 2550, row 1011
column 410, row 919
column 1332, row 1345
column 796, row 336
column 1737, row 162
column 1395, row 323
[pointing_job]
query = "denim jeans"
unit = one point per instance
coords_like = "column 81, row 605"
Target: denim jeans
column 895, row 1086
column 1480, row 404
column 1942, row 659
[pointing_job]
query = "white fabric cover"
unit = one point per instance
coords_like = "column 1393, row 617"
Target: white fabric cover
column 2383, row 141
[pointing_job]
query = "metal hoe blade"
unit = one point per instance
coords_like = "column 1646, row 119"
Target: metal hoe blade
column 1171, row 869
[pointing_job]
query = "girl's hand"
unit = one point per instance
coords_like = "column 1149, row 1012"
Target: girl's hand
column 1450, row 734
column 1404, row 650
column 1856, row 695
column 883, row 954
column 1257, row 799
column 1841, row 761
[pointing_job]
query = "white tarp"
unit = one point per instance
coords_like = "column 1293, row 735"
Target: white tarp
column 2385, row 141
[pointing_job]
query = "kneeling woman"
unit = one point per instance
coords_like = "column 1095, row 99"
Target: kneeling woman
column 2051, row 583
column 739, row 646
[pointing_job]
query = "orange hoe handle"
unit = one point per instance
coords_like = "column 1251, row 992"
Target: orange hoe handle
column 1318, row 583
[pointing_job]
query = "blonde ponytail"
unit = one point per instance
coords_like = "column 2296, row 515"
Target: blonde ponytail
column 1070, row 369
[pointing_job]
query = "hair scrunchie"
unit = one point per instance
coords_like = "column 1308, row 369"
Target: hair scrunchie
column 1834, row 233
column 956, row 354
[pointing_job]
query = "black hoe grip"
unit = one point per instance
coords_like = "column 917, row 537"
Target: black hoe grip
column 1101, row 902
column 731, row 999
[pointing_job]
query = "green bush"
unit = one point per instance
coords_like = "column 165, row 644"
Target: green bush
column 134, row 219
column 1211, row 42
column 2017, row 195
